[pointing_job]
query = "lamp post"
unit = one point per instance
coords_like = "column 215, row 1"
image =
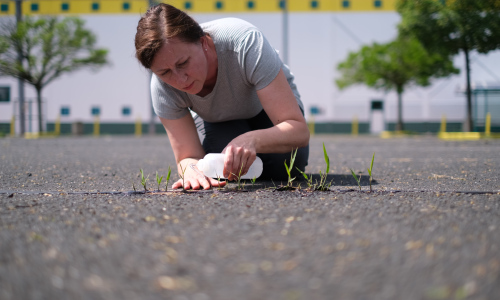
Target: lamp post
column 284, row 6
column 22, row 129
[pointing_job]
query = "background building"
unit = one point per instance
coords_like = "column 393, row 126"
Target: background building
column 320, row 34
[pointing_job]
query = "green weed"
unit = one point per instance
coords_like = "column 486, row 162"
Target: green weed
column 308, row 179
column 323, row 185
column 370, row 172
column 358, row 179
column 238, row 178
column 182, row 176
column 144, row 180
column 168, row 178
column 158, row 180
column 289, row 170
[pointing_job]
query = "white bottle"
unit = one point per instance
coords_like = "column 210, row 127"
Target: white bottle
column 212, row 165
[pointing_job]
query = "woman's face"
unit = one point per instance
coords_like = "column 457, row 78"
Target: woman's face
column 181, row 65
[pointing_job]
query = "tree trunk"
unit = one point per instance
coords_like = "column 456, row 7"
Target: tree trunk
column 468, row 123
column 399, row 124
column 39, row 103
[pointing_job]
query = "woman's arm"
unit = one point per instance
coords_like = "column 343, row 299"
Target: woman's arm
column 187, row 150
column 289, row 132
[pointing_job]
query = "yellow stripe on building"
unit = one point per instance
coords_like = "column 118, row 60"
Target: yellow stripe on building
column 55, row 7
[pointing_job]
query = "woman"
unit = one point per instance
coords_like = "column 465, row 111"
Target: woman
column 226, row 72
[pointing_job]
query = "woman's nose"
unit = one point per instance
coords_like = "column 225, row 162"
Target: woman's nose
column 182, row 77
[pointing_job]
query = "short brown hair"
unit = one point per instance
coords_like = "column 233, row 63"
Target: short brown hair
column 160, row 23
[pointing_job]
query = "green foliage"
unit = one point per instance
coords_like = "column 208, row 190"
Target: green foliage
column 310, row 184
column 289, row 169
column 168, row 178
column 450, row 27
column 393, row 66
column 144, row 180
column 358, row 179
column 238, row 177
column 49, row 48
column 370, row 171
column 322, row 185
column 183, row 170
column 158, row 180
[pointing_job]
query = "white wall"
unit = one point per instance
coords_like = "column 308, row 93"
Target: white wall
column 317, row 43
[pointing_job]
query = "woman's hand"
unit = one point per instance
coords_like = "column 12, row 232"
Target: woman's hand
column 240, row 155
column 192, row 178
column 187, row 148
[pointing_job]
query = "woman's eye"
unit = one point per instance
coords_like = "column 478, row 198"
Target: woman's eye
column 183, row 63
column 165, row 73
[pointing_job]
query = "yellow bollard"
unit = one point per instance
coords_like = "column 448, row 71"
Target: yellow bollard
column 487, row 125
column 311, row 126
column 138, row 127
column 443, row 123
column 97, row 126
column 355, row 126
column 13, row 126
column 57, row 126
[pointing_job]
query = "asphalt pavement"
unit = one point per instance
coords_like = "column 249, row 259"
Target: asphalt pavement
column 72, row 227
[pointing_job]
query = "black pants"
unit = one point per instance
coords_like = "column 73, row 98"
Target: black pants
column 218, row 135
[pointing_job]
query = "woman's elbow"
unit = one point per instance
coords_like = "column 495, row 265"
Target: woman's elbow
column 304, row 136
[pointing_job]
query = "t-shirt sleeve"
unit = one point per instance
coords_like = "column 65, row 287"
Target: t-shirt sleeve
column 259, row 60
column 167, row 103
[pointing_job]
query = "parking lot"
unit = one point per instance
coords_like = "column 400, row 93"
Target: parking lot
column 71, row 228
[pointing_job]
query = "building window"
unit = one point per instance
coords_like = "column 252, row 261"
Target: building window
column 4, row 7
column 251, row 5
column 65, row 111
column 219, row 5
column 34, row 6
column 95, row 6
column 65, row 6
column 282, row 4
column 346, row 4
column 314, row 4
column 188, row 5
column 126, row 6
column 5, row 94
column 126, row 111
column 96, row 111
column 377, row 3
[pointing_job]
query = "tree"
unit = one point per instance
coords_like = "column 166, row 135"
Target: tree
column 49, row 48
column 451, row 26
column 393, row 66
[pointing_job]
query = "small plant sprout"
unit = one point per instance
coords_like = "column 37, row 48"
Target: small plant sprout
column 358, row 179
column 253, row 180
column 218, row 181
column 158, row 180
column 168, row 178
column 183, row 170
column 144, row 180
column 238, row 177
column 370, row 172
column 323, row 186
column 133, row 186
column 308, row 179
column 289, row 170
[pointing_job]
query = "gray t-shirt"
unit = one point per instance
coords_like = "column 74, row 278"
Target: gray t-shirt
column 246, row 64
